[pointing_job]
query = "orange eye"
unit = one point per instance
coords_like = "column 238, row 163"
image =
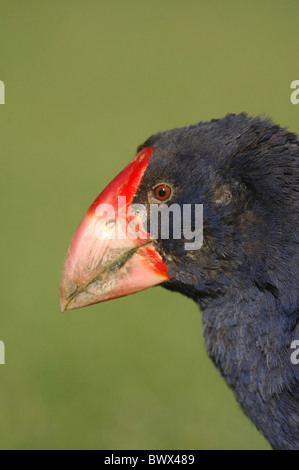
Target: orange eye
column 162, row 192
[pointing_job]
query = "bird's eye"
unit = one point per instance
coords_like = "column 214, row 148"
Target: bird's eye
column 162, row 192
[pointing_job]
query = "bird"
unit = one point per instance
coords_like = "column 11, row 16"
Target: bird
column 244, row 172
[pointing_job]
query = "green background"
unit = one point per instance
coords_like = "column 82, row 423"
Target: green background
column 86, row 82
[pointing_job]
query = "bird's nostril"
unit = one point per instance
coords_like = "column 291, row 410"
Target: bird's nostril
column 110, row 224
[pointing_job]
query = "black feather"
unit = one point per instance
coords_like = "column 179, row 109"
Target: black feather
column 245, row 172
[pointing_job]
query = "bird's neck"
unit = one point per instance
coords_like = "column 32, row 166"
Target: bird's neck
column 249, row 342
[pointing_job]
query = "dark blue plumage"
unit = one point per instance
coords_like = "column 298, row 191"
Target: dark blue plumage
column 245, row 278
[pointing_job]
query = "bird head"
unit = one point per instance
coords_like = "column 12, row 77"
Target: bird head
column 231, row 168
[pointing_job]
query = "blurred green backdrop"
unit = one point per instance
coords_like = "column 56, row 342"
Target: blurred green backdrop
column 86, row 82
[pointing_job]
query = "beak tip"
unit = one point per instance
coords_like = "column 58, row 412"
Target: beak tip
column 63, row 302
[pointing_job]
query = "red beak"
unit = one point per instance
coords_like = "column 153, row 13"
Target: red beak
column 105, row 260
